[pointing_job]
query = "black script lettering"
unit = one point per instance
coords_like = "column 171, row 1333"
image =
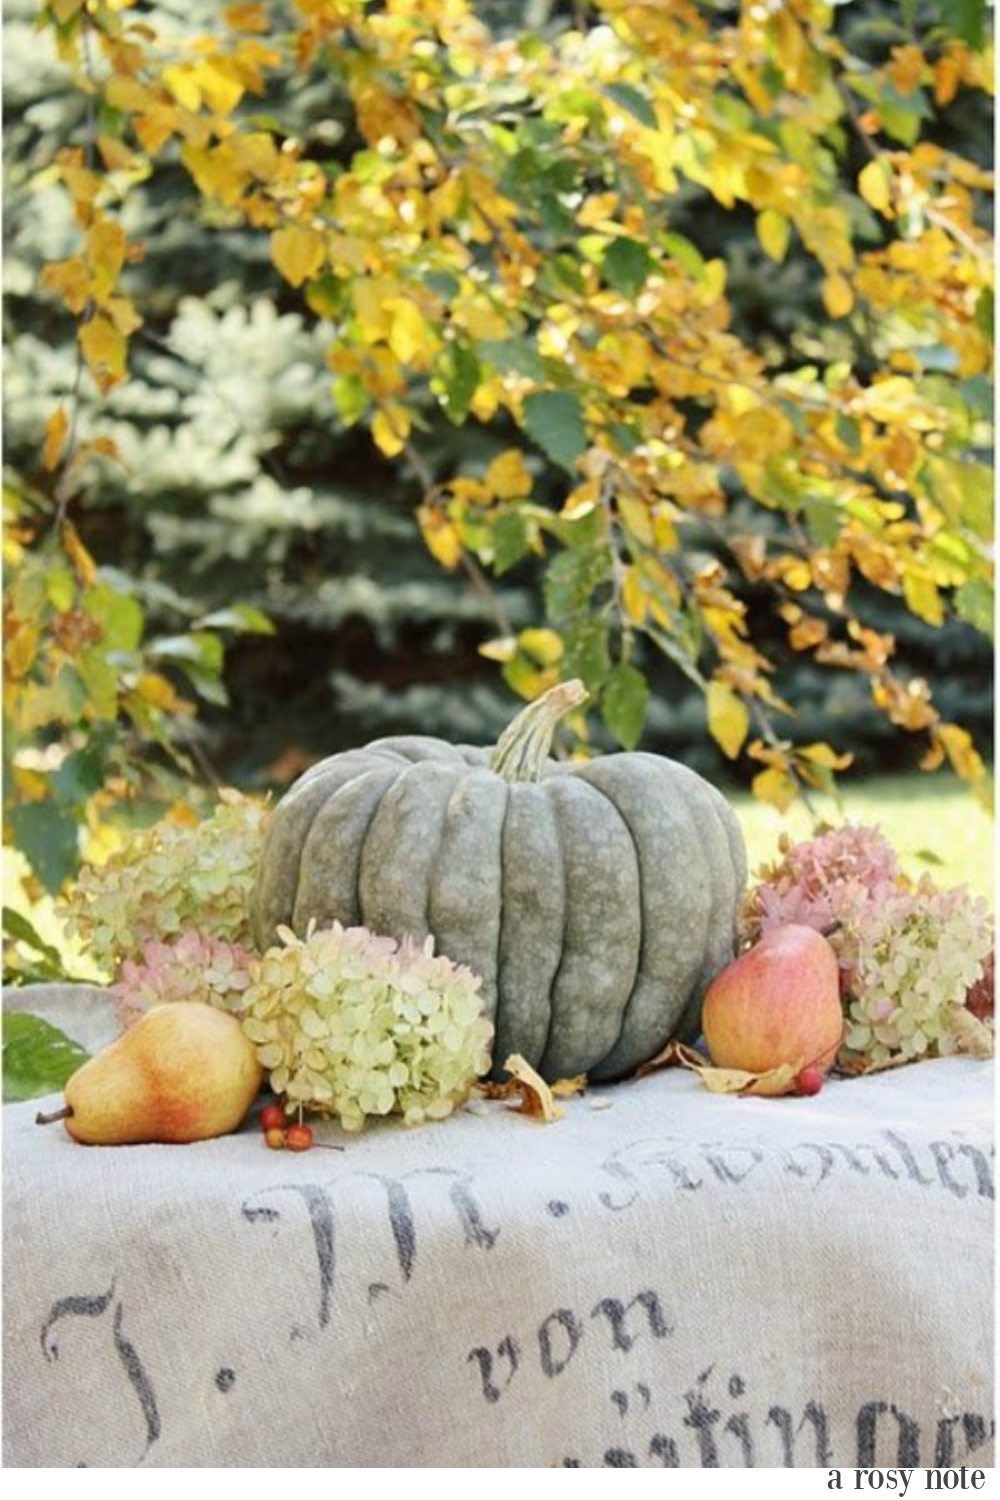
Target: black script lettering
column 945, row 1152
column 821, row 1161
column 616, row 1312
column 506, row 1349
column 320, row 1210
column 72, row 1307
column 908, row 1450
column 572, row 1327
column 665, row 1449
column 138, row 1379
column 908, row 1159
column 703, row 1418
column 737, row 1169
column 620, row 1458
column 816, row 1416
column 854, row 1156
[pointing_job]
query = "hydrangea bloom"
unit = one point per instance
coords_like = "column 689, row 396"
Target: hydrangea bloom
column 192, row 967
column 353, row 1025
column 171, row 879
column 914, row 956
column 915, row 961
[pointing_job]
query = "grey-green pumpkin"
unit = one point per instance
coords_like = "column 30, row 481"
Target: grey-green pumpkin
column 596, row 900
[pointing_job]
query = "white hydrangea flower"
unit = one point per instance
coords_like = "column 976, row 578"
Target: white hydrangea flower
column 354, row 1025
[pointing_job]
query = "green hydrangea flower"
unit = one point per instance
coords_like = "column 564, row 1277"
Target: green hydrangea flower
column 353, row 1025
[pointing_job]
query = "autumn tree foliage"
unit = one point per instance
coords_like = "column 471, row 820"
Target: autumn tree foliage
column 493, row 238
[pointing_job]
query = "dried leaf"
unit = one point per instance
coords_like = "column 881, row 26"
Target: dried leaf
column 725, row 1080
column 56, row 429
column 973, row 1037
column 536, row 1097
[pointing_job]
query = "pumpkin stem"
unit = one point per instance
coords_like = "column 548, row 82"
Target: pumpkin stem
column 523, row 748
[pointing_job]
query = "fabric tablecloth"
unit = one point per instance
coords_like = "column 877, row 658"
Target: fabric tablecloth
column 663, row 1277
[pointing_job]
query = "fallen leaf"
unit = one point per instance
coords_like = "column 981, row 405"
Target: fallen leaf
column 774, row 1082
column 674, row 1055
column 536, row 1097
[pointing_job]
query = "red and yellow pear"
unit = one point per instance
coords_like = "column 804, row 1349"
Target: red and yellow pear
column 776, row 1005
column 184, row 1072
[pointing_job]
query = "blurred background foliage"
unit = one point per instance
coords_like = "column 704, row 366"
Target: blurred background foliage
column 254, row 565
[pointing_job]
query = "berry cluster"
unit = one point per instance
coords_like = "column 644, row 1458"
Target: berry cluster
column 279, row 1135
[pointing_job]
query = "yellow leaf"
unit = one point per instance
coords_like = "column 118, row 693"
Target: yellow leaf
column 923, row 596
column 115, row 155
column 221, row 91
column 20, row 651
column 182, row 82
column 775, row 786
column 407, row 331
column 83, row 564
column 769, row 1085
column 774, row 1082
column 536, row 1096
column 773, row 230
column 637, row 518
column 390, row 431
column 826, row 756
column 56, row 429
column 544, row 647
column 875, row 186
column 298, row 252
column 70, row 281
column 633, row 595
column 106, row 247
column 247, row 17
column 838, row 296
column 507, row 476
column 126, row 93
column 104, row 350
column 440, row 536
column 504, row 648
column 961, row 752
column 728, row 719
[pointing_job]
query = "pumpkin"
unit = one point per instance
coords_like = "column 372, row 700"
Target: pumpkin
column 595, row 899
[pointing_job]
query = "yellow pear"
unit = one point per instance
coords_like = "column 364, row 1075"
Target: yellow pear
column 184, row 1072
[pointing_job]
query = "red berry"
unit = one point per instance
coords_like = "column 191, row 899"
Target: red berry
column 809, row 1081
column 272, row 1117
column 298, row 1137
column 275, row 1139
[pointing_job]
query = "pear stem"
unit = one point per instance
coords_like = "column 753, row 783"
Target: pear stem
column 56, row 1114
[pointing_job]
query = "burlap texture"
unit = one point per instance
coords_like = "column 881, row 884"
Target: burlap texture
column 663, row 1277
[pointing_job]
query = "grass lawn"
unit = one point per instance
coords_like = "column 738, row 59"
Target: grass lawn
column 934, row 823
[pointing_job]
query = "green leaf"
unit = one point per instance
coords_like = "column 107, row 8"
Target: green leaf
column 46, row 834
column 965, row 19
column 199, row 655
column 975, row 603
column 241, row 617
column 985, row 311
column 511, row 540
column 633, row 102
column 460, row 376
column 46, row 963
column 555, row 421
column 687, row 256
column 513, row 356
column 626, row 265
column 101, row 681
column 624, row 702
column 119, row 616
column 587, row 653
column 572, row 578
column 38, row 1058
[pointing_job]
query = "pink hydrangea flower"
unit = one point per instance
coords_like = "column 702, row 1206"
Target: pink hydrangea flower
column 191, row 967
